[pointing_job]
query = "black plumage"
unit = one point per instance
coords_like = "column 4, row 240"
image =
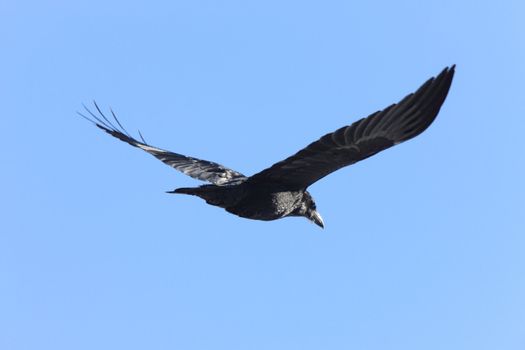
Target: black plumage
column 280, row 190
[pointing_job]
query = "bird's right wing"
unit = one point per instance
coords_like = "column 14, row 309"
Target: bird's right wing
column 364, row 138
column 197, row 168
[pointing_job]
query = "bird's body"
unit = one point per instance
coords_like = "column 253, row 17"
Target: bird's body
column 250, row 201
column 280, row 190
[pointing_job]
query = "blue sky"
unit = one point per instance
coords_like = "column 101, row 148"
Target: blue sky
column 424, row 243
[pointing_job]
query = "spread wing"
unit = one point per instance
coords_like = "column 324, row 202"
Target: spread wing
column 364, row 138
column 199, row 169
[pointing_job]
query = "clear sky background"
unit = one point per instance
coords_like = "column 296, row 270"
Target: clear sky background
column 424, row 246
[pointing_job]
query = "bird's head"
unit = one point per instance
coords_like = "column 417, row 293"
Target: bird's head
column 310, row 210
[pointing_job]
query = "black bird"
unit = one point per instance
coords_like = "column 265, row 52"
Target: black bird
column 280, row 190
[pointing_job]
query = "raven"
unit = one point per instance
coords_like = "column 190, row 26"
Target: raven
column 280, row 190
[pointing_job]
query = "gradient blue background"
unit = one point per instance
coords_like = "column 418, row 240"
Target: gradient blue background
column 424, row 246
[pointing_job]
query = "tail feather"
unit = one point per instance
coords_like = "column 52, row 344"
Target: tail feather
column 185, row 190
column 221, row 196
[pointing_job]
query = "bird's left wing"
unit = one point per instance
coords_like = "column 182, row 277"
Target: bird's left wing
column 197, row 168
column 364, row 138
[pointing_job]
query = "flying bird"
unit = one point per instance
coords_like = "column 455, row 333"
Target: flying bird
column 281, row 190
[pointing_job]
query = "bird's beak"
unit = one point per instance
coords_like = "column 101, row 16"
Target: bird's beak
column 317, row 219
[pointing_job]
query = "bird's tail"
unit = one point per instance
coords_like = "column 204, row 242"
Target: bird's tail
column 214, row 195
column 186, row 190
